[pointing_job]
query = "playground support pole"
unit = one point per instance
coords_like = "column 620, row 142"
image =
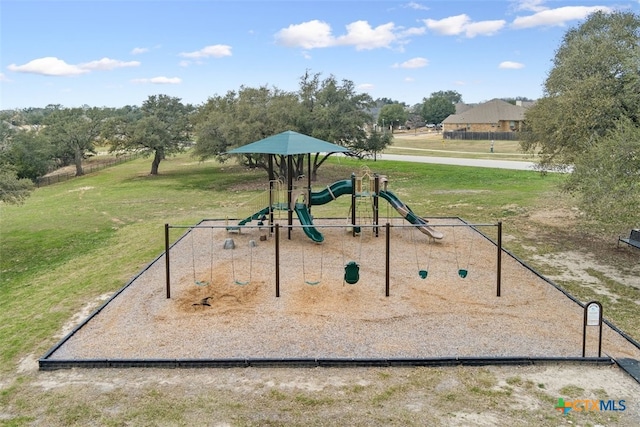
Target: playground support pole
column 166, row 259
column 289, row 191
column 388, row 258
column 309, row 182
column 353, row 204
column 277, row 260
column 499, row 262
column 271, row 179
column 376, row 191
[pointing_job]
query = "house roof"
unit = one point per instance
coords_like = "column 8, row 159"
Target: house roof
column 289, row 143
column 492, row 111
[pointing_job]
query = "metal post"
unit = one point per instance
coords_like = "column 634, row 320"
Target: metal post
column 166, row 259
column 277, row 260
column 590, row 321
column 388, row 260
column 289, row 192
column 271, row 180
column 376, row 191
column 309, row 182
column 353, row 204
column 499, row 262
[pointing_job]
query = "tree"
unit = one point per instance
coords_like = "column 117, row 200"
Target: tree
column 29, row 153
column 392, row 115
column 377, row 142
column 450, row 95
column 325, row 109
column 243, row 117
column 336, row 113
column 13, row 190
column 607, row 175
column 160, row 128
column 437, row 108
column 595, row 81
column 73, row 131
column 590, row 114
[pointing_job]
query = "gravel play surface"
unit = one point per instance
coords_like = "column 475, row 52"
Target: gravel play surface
column 223, row 302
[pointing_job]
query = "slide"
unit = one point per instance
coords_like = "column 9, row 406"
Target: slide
column 341, row 188
column 408, row 214
column 332, row 192
column 255, row 216
column 305, row 219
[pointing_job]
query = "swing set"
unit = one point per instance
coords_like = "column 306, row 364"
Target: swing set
column 351, row 266
column 252, row 243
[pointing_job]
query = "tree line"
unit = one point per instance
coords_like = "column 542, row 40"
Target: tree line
column 588, row 120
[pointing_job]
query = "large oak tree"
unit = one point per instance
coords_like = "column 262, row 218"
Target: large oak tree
column 589, row 113
column 159, row 128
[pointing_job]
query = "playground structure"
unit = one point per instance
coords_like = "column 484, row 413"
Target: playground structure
column 365, row 190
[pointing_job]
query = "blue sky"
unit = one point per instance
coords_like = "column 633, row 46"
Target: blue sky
column 116, row 53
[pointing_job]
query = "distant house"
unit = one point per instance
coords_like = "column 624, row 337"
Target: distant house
column 492, row 116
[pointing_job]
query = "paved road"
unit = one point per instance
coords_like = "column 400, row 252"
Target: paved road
column 483, row 163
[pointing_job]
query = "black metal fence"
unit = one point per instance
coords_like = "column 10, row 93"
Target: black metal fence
column 61, row 177
column 485, row 136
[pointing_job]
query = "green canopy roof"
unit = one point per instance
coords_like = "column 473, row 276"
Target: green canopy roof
column 289, row 143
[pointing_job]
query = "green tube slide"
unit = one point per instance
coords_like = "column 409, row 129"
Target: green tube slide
column 305, row 219
column 409, row 215
column 332, row 192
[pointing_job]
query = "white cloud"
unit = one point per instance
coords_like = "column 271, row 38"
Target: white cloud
column 317, row 34
column 4, row 78
column 484, row 28
column 413, row 31
column 556, row 17
column 462, row 24
column 159, row 80
column 139, row 50
column 215, row 51
column 366, row 87
column 413, row 63
column 107, row 64
column 450, row 26
column 409, row 79
column 308, row 35
column 48, row 66
column 361, row 35
column 510, row 65
column 52, row 66
column 531, row 5
column 415, row 6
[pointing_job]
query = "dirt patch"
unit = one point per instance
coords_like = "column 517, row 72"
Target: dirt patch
column 554, row 217
column 575, row 266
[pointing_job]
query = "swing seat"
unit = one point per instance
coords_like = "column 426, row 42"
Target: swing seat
column 312, row 283
column 239, row 283
column 201, row 283
column 462, row 273
column 423, row 274
column 352, row 272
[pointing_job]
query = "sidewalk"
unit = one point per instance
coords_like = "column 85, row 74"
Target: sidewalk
column 484, row 163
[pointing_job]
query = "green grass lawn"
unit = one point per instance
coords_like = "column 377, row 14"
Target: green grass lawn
column 433, row 144
column 73, row 241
